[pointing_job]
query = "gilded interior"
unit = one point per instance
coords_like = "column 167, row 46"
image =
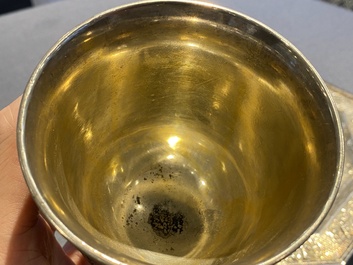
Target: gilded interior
column 200, row 111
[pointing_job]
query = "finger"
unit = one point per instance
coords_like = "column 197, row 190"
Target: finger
column 74, row 254
column 48, row 246
column 8, row 117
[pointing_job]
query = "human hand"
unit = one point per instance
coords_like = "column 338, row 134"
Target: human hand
column 25, row 238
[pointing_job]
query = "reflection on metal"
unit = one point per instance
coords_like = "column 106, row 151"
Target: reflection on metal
column 332, row 242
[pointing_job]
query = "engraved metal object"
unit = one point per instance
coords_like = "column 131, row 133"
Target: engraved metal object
column 332, row 242
column 179, row 133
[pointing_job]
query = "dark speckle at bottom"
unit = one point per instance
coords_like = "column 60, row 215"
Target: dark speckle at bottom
column 164, row 222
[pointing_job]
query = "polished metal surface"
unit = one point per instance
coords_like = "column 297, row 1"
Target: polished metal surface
column 179, row 132
column 332, row 242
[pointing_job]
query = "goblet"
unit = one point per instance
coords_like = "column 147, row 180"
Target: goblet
column 179, row 133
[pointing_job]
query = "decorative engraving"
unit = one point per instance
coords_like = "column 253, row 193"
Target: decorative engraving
column 332, row 242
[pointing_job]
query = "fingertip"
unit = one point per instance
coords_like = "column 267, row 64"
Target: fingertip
column 74, row 254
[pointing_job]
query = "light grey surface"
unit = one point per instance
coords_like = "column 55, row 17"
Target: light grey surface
column 321, row 31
